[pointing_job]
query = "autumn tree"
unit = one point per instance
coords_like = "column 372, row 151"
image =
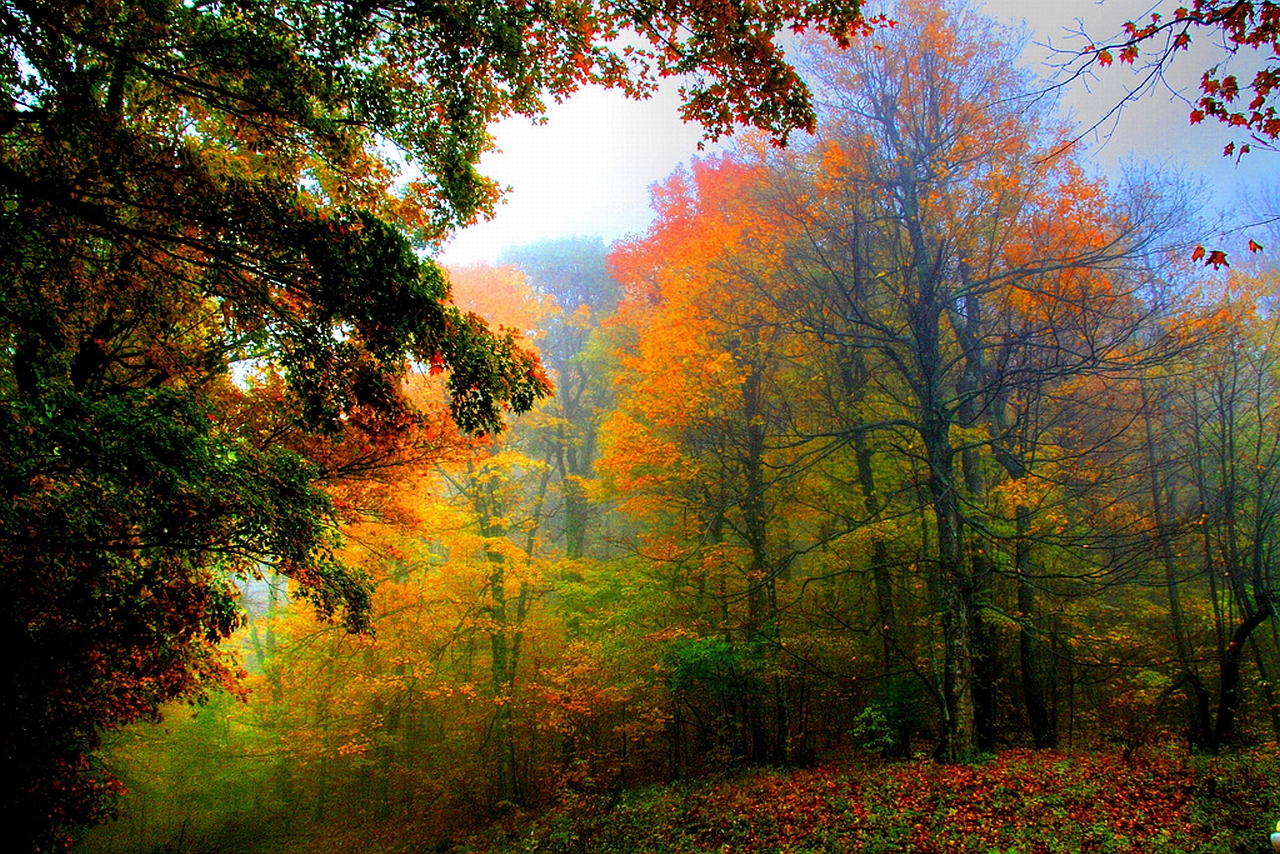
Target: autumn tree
column 957, row 272
column 942, row 274
column 700, row 449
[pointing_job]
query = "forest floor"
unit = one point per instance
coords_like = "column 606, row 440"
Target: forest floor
column 1021, row 801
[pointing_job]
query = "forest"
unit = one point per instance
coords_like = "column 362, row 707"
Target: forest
column 908, row 477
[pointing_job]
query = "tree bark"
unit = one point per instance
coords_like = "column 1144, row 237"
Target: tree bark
column 1197, row 702
column 1043, row 734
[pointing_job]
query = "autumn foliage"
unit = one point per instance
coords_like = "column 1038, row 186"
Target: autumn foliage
column 1022, row 801
column 913, row 461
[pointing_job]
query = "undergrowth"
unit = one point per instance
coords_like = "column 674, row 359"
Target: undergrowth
column 1021, row 801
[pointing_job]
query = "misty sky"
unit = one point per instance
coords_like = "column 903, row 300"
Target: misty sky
column 589, row 168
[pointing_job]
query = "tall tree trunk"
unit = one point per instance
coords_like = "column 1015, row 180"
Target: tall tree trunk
column 1197, row 697
column 880, row 577
column 1229, row 690
column 763, row 629
column 960, row 741
column 500, row 674
column 985, row 660
column 575, row 497
column 1043, row 733
column 1042, row 721
column 504, row 651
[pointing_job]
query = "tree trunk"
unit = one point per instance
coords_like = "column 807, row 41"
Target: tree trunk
column 1197, row 700
column 1229, row 689
column 763, row 629
column 504, row 650
column 985, row 660
column 959, row 743
column 1043, row 733
column 879, row 555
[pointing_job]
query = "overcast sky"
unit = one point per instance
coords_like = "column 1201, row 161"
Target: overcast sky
column 589, row 168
